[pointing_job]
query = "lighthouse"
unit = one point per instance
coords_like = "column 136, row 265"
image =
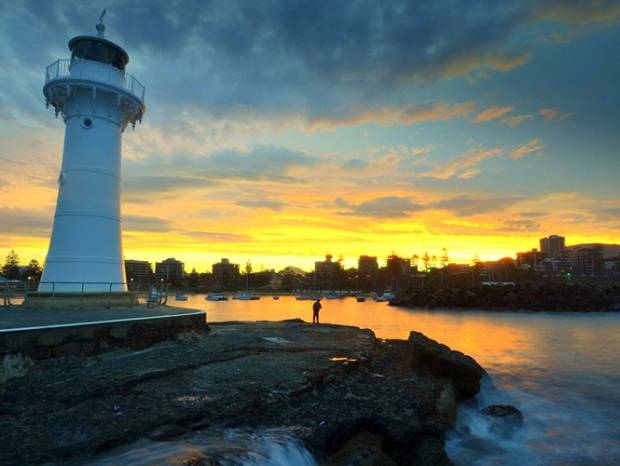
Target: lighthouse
column 97, row 99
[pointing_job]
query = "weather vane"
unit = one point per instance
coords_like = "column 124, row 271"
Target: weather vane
column 100, row 26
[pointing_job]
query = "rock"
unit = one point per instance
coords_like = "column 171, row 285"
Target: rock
column 13, row 366
column 506, row 419
column 446, row 403
column 364, row 449
column 166, row 432
column 441, row 361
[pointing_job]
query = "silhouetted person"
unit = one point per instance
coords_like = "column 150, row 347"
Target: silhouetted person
column 316, row 308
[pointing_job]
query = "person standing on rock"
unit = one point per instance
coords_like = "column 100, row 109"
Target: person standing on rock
column 316, row 308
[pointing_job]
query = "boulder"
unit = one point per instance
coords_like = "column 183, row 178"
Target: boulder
column 364, row 449
column 505, row 419
column 442, row 361
column 13, row 366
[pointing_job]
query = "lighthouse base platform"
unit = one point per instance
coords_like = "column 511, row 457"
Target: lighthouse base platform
column 46, row 333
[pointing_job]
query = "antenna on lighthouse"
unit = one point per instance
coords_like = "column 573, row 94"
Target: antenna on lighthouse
column 100, row 26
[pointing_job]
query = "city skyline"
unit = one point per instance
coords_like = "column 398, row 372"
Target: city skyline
column 280, row 133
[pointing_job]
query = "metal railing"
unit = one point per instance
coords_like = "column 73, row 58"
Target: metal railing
column 156, row 295
column 61, row 68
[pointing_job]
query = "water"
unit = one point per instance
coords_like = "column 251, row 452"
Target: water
column 232, row 447
column 562, row 370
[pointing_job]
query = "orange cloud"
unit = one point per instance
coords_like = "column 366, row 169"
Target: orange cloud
column 583, row 13
column 492, row 113
column 552, row 114
column 516, row 120
column 533, row 146
column 398, row 116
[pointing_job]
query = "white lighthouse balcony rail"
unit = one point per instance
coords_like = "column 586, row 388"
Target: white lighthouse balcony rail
column 86, row 69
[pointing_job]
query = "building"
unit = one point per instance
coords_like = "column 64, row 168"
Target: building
column 367, row 265
column 531, row 260
column 225, row 274
column 97, row 99
column 138, row 271
column 398, row 266
column 170, row 270
column 327, row 273
column 553, row 246
column 586, row 261
column 327, row 268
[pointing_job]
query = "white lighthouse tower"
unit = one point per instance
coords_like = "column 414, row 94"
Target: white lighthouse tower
column 97, row 100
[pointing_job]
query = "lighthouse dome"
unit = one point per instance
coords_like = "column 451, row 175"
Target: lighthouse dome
column 98, row 49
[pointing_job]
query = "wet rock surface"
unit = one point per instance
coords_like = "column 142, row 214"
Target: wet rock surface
column 506, row 419
column 326, row 384
column 464, row 372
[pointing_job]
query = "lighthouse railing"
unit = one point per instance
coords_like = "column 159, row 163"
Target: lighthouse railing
column 61, row 68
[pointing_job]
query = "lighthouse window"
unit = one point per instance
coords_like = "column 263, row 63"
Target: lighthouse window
column 87, row 123
column 98, row 50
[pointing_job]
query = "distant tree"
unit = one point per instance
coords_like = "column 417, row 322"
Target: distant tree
column 414, row 262
column 248, row 272
column 426, row 260
column 33, row 271
column 444, row 257
column 433, row 260
column 10, row 269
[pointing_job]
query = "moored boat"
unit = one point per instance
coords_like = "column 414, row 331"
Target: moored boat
column 216, row 297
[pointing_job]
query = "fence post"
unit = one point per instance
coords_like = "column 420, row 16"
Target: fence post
column 110, row 297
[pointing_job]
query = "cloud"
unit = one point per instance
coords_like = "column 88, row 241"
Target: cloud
column 581, row 12
column 463, row 166
column 334, row 63
column 520, row 225
column 259, row 162
column 26, row 222
column 516, row 120
column 152, row 184
column 271, row 204
column 552, row 114
column 533, row 146
column 382, row 207
column 146, row 224
column 608, row 214
column 218, row 236
column 467, row 205
column 492, row 113
column 397, row 116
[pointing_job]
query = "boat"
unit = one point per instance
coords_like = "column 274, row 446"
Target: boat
column 246, row 297
column 216, row 297
column 360, row 299
column 181, row 297
column 381, row 299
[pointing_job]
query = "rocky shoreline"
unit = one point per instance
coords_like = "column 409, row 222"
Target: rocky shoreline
column 344, row 393
column 530, row 297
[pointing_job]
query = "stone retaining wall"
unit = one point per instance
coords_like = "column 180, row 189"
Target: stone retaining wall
column 88, row 339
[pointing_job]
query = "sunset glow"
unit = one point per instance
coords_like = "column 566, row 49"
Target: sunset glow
column 282, row 136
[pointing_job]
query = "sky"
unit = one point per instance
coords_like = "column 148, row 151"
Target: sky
column 280, row 131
